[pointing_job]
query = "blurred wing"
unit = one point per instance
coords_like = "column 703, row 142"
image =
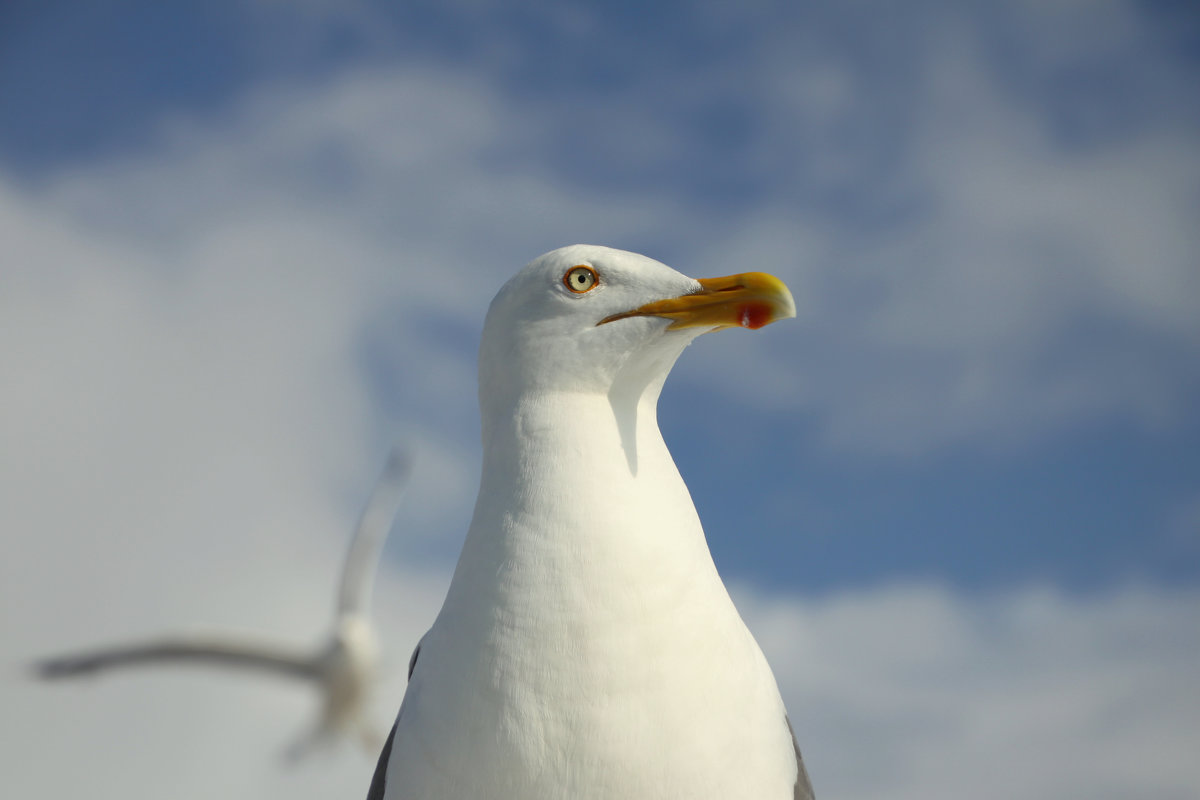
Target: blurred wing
column 215, row 651
column 367, row 544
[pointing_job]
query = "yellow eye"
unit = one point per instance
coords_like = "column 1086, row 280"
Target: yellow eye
column 581, row 279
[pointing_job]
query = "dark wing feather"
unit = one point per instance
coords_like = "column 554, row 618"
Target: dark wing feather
column 412, row 661
column 803, row 790
column 379, row 779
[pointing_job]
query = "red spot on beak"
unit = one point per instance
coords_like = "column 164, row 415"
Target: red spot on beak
column 754, row 315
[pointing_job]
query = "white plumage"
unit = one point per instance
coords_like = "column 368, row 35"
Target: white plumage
column 587, row 647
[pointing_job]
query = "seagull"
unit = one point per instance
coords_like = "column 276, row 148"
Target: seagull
column 344, row 668
column 587, row 647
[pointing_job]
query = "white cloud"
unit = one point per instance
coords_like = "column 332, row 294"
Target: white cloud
column 176, row 422
column 914, row 691
column 1023, row 286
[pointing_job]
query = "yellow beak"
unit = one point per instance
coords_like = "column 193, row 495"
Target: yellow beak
column 748, row 300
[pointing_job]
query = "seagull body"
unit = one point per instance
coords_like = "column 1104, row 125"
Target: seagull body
column 587, row 647
column 344, row 669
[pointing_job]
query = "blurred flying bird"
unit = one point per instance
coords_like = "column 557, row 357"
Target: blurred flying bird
column 344, row 668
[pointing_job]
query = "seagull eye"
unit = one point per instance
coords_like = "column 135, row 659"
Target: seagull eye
column 581, row 279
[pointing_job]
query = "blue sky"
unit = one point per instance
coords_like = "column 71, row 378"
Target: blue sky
column 251, row 243
column 801, row 113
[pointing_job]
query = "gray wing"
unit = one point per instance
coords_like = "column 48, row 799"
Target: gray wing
column 359, row 571
column 412, row 660
column 215, row 651
column 803, row 790
column 379, row 779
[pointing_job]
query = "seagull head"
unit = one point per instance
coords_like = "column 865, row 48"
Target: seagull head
column 591, row 319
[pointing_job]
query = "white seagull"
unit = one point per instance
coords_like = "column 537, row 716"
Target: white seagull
column 344, row 669
column 587, row 647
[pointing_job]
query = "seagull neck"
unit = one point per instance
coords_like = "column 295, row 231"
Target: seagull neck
column 589, row 437
column 581, row 485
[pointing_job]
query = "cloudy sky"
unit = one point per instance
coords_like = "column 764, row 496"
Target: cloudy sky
column 246, row 246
